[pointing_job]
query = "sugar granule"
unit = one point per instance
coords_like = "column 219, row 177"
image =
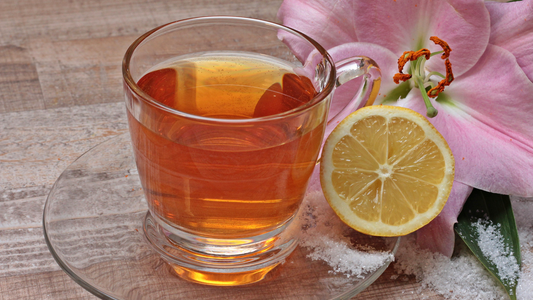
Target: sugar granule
column 524, row 290
column 491, row 244
column 324, row 236
column 463, row 276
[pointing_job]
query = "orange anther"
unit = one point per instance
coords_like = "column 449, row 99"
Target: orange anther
column 414, row 55
column 444, row 46
column 401, row 77
column 434, row 92
column 406, row 57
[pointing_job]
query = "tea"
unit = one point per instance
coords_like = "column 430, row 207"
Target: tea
column 231, row 181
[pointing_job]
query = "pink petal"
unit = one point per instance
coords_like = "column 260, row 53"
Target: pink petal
column 439, row 235
column 408, row 24
column 487, row 121
column 512, row 29
column 329, row 22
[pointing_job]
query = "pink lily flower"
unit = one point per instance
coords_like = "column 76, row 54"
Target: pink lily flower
column 485, row 114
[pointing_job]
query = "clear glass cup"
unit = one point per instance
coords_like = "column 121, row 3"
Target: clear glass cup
column 223, row 174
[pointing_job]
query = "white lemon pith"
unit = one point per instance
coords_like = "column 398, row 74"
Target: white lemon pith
column 386, row 171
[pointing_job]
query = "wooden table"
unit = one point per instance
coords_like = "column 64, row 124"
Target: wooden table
column 60, row 95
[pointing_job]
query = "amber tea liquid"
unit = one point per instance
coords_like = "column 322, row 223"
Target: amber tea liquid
column 225, row 182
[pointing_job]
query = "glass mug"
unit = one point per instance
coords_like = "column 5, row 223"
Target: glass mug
column 227, row 126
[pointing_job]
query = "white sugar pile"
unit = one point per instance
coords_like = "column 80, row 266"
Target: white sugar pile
column 463, row 276
column 324, row 236
column 525, row 281
column 491, row 243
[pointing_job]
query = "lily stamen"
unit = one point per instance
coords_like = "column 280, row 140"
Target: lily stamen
column 405, row 58
column 401, row 77
column 434, row 73
column 444, row 46
column 434, row 92
column 418, row 59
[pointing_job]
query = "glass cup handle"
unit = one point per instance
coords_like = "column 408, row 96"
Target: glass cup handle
column 349, row 69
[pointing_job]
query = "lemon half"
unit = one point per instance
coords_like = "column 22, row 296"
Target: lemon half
column 386, row 171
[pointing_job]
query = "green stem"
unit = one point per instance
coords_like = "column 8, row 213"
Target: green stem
column 429, row 84
column 420, row 65
column 435, row 53
column 430, row 110
column 434, row 73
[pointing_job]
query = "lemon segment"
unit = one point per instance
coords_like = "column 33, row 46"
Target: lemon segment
column 386, row 171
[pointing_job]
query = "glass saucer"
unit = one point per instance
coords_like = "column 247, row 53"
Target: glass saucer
column 93, row 227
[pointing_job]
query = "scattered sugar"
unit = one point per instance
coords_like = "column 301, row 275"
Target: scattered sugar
column 463, row 276
column 524, row 290
column 324, row 235
column 491, row 244
column 459, row 277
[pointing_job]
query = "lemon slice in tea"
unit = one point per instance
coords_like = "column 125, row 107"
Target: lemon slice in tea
column 386, row 171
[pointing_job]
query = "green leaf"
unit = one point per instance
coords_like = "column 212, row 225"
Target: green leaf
column 487, row 226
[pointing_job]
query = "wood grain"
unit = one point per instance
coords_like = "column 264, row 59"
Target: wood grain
column 36, row 146
column 55, row 285
column 19, row 81
column 69, row 53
